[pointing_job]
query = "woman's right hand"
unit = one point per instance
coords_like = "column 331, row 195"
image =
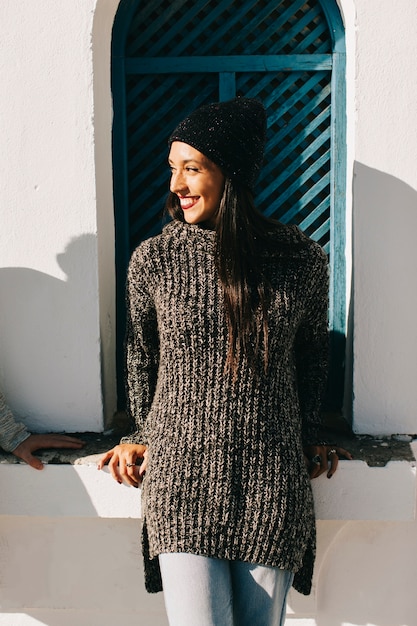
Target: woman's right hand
column 122, row 462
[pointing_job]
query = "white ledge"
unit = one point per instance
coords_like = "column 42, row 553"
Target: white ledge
column 360, row 492
column 355, row 492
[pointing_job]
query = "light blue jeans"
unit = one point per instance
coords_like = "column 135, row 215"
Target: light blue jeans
column 201, row 591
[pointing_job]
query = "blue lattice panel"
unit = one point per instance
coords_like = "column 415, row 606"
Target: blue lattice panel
column 171, row 56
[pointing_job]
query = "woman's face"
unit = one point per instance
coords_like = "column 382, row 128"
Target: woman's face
column 197, row 182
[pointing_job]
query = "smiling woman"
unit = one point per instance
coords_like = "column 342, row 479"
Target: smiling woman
column 226, row 352
column 197, row 182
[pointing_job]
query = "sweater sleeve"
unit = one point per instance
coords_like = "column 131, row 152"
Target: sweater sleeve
column 141, row 347
column 312, row 346
column 12, row 433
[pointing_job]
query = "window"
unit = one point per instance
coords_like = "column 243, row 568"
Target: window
column 169, row 58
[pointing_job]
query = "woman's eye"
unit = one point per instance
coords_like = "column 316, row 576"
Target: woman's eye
column 191, row 169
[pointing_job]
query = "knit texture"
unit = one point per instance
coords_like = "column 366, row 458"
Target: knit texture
column 226, row 475
column 12, row 433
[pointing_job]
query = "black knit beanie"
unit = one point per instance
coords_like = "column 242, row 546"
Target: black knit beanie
column 231, row 134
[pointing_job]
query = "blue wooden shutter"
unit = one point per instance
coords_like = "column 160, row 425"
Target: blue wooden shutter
column 169, row 57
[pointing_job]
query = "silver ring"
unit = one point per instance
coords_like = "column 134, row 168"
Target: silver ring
column 130, row 464
column 316, row 459
column 332, row 451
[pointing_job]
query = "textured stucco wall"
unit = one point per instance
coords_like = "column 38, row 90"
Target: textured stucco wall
column 385, row 218
column 49, row 323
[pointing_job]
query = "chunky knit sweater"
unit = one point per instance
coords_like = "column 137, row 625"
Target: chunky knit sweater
column 226, row 476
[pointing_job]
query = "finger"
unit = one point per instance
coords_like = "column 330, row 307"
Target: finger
column 313, row 473
column 35, row 462
column 105, row 458
column 31, row 460
column 315, row 462
column 334, row 462
column 322, row 469
column 136, row 476
column 71, row 440
column 344, row 453
column 63, row 443
column 315, row 470
column 323, row 459
column 53, row 440
column 130, row 472
column 143, row 466
column 60, row 437
column 114, row 468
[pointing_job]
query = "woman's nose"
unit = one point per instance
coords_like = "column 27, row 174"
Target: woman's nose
column 177, row 183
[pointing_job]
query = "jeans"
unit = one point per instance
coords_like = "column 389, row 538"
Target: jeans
column 202, row 591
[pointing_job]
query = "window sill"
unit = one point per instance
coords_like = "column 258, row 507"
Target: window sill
column 379, row 484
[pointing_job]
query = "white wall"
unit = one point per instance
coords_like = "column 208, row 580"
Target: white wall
column 385, row 217
column 49, row 323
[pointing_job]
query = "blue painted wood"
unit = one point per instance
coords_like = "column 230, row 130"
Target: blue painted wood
column 227, row 86
column 315, row 214
column 300, row 179
column 313, row 189
column 209, row 64
column 170, row 57
column 154, row 31
column 335, row 25
column 275, row 25
column 338, row 190
column 120, row 180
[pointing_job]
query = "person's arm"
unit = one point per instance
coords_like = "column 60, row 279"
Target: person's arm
column 141, row 347
column 15, row 438
column 142, row 359
column 312, row 347
column 12, row 433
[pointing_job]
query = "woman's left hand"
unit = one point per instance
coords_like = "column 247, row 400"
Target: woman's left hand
column 318, row 458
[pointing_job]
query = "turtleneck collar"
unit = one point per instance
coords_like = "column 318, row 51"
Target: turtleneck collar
column 194, row 233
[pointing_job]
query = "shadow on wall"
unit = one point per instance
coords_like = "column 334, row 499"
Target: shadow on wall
column 385, row 262
column 49, row 341
column 368, row 573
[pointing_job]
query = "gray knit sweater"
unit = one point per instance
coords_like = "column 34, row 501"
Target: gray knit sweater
column 226, row 476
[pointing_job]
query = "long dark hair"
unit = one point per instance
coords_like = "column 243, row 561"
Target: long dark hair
column 242, row 233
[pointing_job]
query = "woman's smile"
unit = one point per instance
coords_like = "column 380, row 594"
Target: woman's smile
column 188, row 202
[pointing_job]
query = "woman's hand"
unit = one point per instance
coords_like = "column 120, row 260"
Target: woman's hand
column 122, row 461
column 318, row 457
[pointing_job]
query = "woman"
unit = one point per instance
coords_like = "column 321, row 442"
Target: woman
column 226, row 364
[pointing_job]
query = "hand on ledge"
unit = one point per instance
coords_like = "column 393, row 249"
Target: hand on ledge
column 319, row 457
column 127, row 463
column 37, row 442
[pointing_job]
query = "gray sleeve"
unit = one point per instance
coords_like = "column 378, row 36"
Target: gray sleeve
column 141, row 348
column 12, row 433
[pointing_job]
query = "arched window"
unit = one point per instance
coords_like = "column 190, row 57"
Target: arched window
column 168, row 58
